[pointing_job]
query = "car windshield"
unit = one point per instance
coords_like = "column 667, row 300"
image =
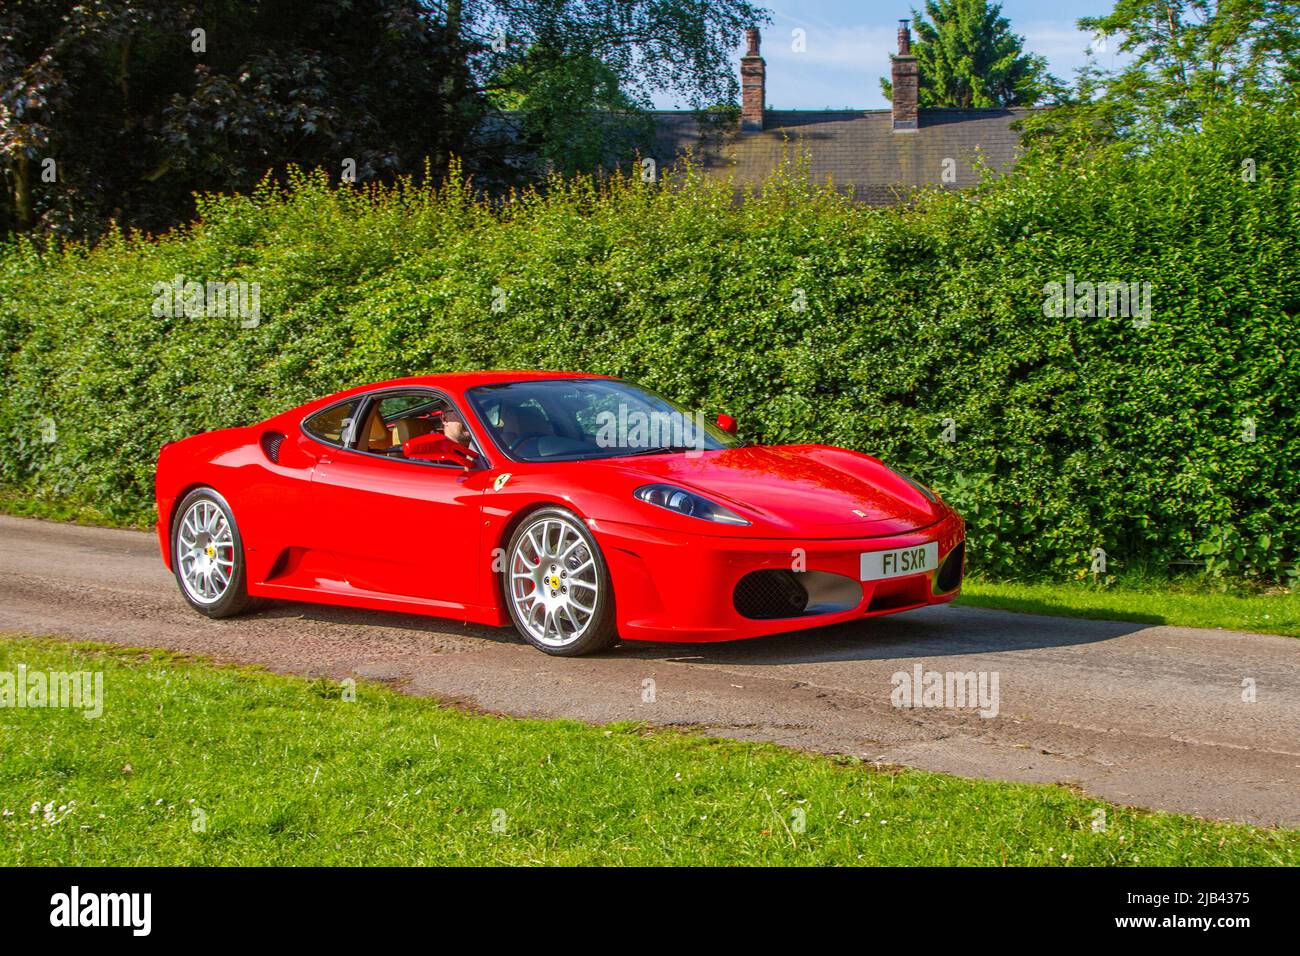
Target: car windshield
column 570, row 419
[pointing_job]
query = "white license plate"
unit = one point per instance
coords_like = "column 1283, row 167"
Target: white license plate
column 918, row 559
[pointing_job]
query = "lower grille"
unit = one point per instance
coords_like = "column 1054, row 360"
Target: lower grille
column 762, row 595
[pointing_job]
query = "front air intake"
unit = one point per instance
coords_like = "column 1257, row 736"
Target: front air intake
column 762, row 595
column 949, row 576
column 271, row 442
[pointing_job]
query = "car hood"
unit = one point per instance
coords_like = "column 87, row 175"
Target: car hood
column 795, row 490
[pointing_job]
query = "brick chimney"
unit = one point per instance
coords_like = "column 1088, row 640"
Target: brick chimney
column 906, row 82
column 753, row 84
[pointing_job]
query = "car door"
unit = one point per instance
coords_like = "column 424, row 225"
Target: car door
column 399, row 527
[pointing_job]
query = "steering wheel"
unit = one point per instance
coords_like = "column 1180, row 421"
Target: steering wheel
column 523, row 442
column 519, row 441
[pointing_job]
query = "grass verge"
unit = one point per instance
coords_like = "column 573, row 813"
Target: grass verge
column 1191, row 604
column 27, row 505
column 194, row 763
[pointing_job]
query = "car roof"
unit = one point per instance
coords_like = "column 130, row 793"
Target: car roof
column 456, row 382
column 459, row 381
column 470, row 379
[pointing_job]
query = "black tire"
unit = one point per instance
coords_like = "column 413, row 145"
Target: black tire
column 233, row 598
column 599, row 632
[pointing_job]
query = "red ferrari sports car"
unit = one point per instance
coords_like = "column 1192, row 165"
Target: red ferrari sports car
column 581, row 508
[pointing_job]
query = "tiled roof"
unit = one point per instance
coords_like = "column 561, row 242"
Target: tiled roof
column 854, row 149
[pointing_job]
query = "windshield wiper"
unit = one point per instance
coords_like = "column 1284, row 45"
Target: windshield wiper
column 661, row 450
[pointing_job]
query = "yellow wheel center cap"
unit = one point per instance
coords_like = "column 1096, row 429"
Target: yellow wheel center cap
column 555, row 582
column 210, row 551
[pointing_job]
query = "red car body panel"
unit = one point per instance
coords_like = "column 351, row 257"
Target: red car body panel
column 336, row 526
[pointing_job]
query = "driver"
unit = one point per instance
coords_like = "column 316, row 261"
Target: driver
column 454, row 427
column 448, row 441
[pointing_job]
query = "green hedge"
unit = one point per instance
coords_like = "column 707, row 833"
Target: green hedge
column 1072, row 433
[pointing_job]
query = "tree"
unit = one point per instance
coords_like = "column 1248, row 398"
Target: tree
column 119, row 110
column 568, row 109
column 969, row 58
column 1191, row 57
column 1187, row 61
column 572, row 79
column 128, row 107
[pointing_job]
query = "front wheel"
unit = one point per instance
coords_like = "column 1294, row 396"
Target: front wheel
column 557, row 585
column 208, row 555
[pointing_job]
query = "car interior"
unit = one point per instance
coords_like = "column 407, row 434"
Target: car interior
column 393, row 421
column 554, row 420
column 530, row 429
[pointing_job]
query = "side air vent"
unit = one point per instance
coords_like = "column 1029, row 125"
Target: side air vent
column 762, row 595
column 271, row 442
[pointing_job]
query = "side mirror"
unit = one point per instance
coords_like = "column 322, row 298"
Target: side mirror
column 727, row 424
column 438, row 448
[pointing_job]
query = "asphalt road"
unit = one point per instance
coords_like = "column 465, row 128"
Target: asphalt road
column 1139, row 715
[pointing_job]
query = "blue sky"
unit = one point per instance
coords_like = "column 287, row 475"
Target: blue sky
column 849, row 42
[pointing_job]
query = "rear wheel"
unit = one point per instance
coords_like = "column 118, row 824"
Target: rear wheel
column 557, row 585
column 208, row 555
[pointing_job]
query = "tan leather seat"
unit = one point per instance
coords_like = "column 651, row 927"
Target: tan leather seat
column 520, row 422
column 408, row 428
column 378, row 437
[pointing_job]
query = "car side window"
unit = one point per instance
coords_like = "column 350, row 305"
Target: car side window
column 395, row 406
column 333, row 425
column 417, row 426
column 392, row 420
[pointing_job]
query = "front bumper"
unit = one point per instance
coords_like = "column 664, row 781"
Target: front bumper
column 670, row 586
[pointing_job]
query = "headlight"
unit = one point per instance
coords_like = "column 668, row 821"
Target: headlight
column 687, row 503
column 918, row 486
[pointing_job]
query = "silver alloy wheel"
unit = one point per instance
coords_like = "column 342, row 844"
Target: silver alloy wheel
column 554, row 582
column 205, row 546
